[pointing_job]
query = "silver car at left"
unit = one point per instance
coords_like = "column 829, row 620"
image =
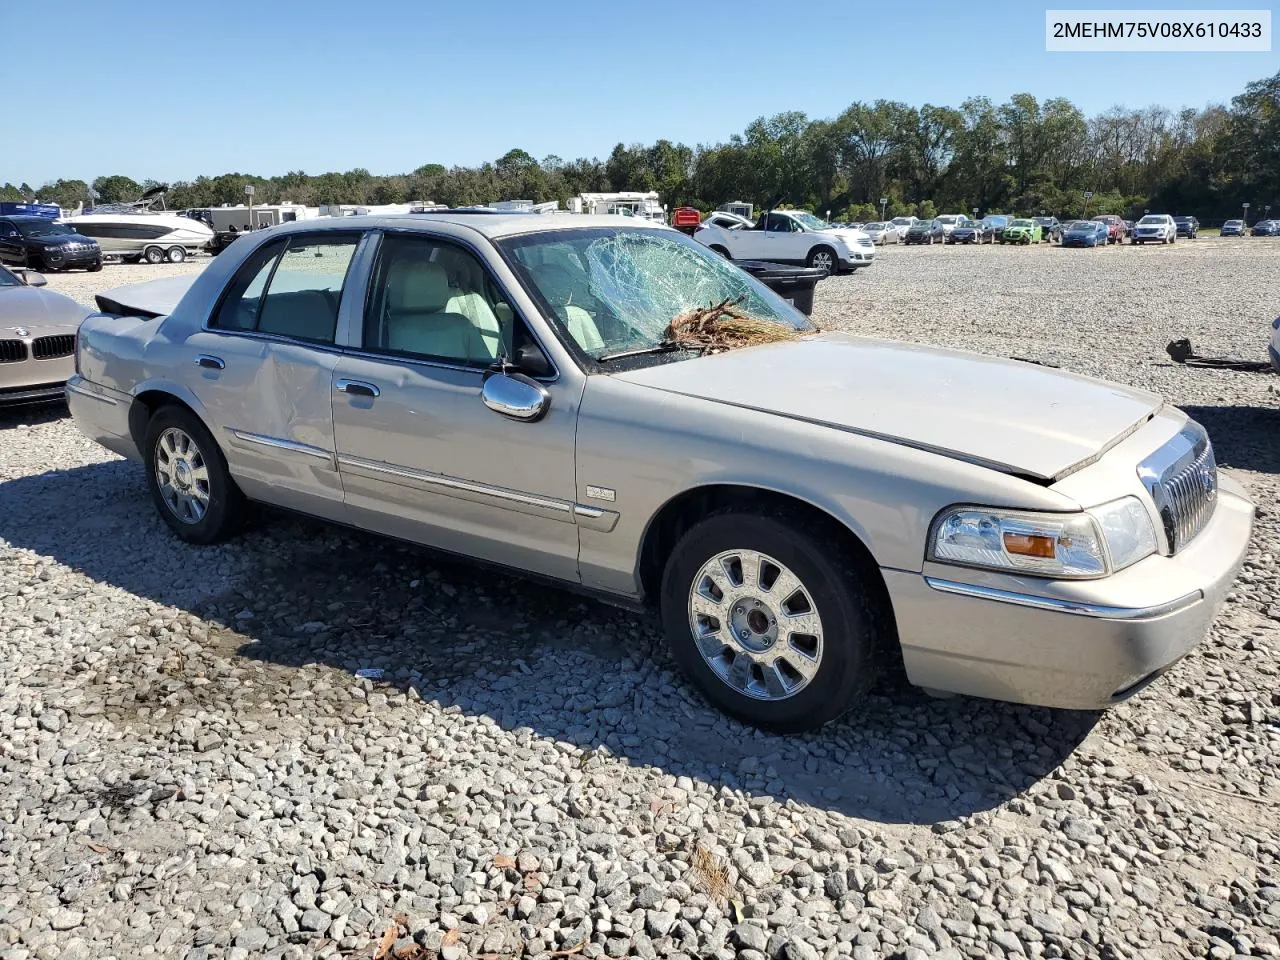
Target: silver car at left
column 37, row 339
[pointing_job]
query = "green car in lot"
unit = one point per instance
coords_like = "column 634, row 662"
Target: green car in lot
column 1022, row 231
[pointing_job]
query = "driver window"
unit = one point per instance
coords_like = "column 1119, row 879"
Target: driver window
column 778, row 224
column 435, row 300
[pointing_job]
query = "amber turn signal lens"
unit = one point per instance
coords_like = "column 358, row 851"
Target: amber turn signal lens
column 1029, row 545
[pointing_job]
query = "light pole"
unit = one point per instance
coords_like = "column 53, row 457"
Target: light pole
column 248, row 192
column 1088, row 195
column 883, row 202
column 1246, row 214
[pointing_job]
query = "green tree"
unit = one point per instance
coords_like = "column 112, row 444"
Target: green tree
column 116, row 188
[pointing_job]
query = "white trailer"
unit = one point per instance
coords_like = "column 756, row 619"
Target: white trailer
column 632, row 203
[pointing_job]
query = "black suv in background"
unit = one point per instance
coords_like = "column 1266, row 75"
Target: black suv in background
column 1187, row 226
column 43, row 244
column 1050, row 229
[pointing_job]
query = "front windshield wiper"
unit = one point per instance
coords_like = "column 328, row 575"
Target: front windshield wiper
column 665, row 346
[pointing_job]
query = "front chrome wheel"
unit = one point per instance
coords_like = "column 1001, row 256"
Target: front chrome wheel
column 755, row 624
column 823, row 261
column 182, row 475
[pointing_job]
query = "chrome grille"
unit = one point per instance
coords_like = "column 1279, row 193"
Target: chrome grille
column 1182, row 479
column 12, row 351
column 46, row 348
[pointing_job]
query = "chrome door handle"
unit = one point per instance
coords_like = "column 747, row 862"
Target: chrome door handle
column 210, row 362
column 357, row 388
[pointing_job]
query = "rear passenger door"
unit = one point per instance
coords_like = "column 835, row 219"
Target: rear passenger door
column 263, row 369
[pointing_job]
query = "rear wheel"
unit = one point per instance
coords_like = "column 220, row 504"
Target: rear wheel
column 775, row 621
column 153, row 255
column 175, row 254
column 188, row 478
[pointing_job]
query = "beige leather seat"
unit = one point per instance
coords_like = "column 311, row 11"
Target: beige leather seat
column 424, row 315
column 465, row 280
column 303, row 314
column 557, row 285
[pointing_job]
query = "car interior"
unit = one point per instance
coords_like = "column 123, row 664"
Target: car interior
column 433, row 299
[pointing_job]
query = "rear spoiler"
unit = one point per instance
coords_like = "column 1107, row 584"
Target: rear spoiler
column 154, row 298
column 118, row 309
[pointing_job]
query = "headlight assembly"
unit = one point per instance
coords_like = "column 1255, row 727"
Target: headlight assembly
column 1060, row 545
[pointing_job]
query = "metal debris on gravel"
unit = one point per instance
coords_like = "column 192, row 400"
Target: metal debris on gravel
column 190, row 766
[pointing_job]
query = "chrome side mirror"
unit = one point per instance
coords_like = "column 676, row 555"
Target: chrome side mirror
column 515, row 395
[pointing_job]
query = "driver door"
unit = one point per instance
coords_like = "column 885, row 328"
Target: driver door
column 420, row 455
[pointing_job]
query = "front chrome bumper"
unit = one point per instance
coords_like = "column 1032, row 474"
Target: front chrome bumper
column 1072, row 644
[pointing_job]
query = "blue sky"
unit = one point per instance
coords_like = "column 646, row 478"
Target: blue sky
column 171, row 90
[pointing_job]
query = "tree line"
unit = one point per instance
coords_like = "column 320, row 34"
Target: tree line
column 1023, row 156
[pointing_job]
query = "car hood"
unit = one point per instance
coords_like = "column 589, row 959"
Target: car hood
column 39, row 311
column 1009, row 415
column 850, row 237
column 58, row 240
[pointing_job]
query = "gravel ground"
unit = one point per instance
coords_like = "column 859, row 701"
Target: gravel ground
column 191, row 767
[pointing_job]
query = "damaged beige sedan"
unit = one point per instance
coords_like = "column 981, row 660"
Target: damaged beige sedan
column 605, row 404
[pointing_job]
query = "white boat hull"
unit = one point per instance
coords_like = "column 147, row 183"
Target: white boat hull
column 127, row 235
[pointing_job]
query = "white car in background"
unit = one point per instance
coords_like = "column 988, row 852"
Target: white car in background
column 725, row 220
column 1154, row 228
column 950, row 221
column 903, row 224
column 882, row 233
column 791, row 236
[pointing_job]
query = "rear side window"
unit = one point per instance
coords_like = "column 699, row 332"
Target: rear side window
column 290, row 288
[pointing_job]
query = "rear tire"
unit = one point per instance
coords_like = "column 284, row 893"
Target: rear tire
column 153, row 255
column 188, row 478
column 175, row 254
column 772, row 677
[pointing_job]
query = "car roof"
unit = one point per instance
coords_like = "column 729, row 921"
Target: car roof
column 26, row 218
column 491, row 225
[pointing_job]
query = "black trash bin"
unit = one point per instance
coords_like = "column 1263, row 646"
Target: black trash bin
column 793, row 284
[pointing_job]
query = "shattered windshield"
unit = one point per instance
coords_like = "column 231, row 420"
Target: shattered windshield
column 621, row 291
column 810, row 221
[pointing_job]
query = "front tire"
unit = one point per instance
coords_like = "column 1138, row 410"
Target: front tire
column 824, row 258
column 720, row 250
column 775, row 622
column 188, row 478
column 153, row 255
